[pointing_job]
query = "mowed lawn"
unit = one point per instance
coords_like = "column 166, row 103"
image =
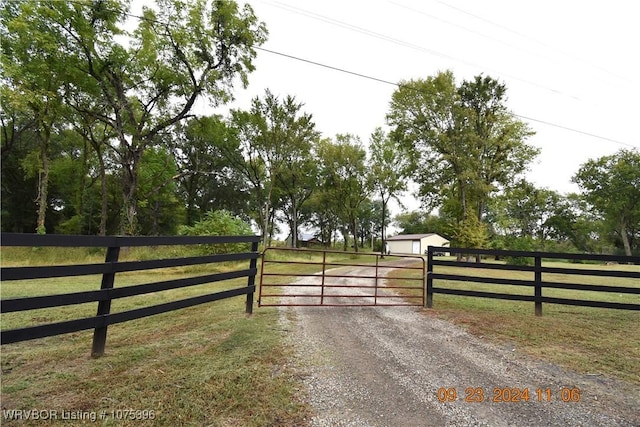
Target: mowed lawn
column 597, row 341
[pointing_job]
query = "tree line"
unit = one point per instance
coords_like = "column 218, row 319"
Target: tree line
column 99, row 137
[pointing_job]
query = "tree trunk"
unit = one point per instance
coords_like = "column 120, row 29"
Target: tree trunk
column 480, row 210
column 130, row 163
column 354, row 230
column 625, row 237
column 272, row 219
column 43, row 181
column 266, row 238
column 345, row 234
column 129, row 220
column 104, row 201
column 294, row 228
column 463, row 203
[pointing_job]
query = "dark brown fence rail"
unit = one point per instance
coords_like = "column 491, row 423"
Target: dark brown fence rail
column 108, row 270
column 537, row 282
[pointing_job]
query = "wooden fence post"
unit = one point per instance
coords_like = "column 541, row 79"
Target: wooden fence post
column 104, row 306
column 538, row 285
column 251, row 281
column 429, row 276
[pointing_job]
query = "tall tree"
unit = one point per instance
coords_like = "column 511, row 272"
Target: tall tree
column 96, row 135
column 465, row 144
column 19, row 188
column 276, row 139
column 388, row 172
column 206, row 150
column 418, row 222
column 524, row 210
column 297, row 180
column 611, row 185
column 33, row 79
column 369, row 225
column 160, row 209
column 321, row 213
column 343, row 166
column 180, row 51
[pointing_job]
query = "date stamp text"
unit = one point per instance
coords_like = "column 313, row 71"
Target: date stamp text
column 508, row 394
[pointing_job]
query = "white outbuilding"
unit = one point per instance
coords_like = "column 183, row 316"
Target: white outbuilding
column 415, row 243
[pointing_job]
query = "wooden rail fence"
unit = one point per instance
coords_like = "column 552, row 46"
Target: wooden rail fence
column 537, row 283
column 107, row 292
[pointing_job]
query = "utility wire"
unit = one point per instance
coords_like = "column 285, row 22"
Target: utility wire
column 513, row 46
column 355, row 28
column 400, row 85
column 518, row 33
column 364, row 76
column 462, row 27
column 575, row 130
column 342, row 70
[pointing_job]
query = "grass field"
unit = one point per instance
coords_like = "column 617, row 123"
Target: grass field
column 207, row 365
column 215, row 365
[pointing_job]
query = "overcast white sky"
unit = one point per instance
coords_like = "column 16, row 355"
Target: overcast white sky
column 570, row 63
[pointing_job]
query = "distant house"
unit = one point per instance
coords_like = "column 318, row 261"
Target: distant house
column 415, row 243
column 305, row 240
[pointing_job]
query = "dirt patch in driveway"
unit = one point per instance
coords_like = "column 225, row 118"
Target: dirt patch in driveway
column 394, row 366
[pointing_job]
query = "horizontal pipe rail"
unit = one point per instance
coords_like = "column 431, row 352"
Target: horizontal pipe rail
column 368, row 282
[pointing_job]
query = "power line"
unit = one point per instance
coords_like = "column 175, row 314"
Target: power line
column 399, row 85
column 575, row 130
column 518, row 33
column 453, row 24
column 365, row 31
column 342, row 70
column 503, row 42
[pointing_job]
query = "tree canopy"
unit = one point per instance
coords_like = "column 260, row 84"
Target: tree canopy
column 100, row 136
column 611, row 186
column 464, row 143
column 138, row 83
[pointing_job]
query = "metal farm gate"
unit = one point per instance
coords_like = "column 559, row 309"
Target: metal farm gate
column 309, row 277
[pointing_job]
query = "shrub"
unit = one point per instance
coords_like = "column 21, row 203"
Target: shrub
column 513, row 243
column 219, row 223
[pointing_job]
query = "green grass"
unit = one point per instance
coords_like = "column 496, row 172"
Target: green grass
column 206, row 365
column 588, row 340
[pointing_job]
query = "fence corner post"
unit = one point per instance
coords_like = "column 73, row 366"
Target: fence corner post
column 429, row 284
column 537, row 298
column 251, row 282
column 104, row 306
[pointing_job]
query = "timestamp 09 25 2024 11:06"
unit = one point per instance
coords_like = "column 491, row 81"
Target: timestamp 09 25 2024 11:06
column 508, row 394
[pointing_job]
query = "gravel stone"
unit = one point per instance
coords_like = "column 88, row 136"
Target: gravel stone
column 383, row 366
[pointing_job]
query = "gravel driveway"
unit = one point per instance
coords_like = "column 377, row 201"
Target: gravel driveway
column 396, row 366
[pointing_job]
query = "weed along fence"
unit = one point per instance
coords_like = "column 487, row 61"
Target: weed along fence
column 605, row 281
column 108, row 270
